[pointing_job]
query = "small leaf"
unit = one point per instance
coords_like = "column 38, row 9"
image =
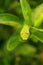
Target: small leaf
column 37, row 15
column 11, row 20
column 34, row 38
column 38, row 33
column 13, row 41
column 26, row 12
column 25, row 49
column 9, row 17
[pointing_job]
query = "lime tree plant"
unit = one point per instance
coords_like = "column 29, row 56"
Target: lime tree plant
column 28, row 31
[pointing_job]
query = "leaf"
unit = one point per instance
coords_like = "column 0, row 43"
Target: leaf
column 34, row 38
column 13, row 41
column 38, row 33
column 9, row 17
column 37, row 15
column 26, row 12
column 25, row 49
column 11, row 20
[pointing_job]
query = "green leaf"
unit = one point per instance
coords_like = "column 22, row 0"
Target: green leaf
column 33, row 38
column 38, row 33
column 37, row 15
column 11, row 20
column 26, row 12
column 25, row 49
column 13, row 41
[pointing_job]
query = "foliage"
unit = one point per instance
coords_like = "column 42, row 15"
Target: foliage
column 21, row 32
